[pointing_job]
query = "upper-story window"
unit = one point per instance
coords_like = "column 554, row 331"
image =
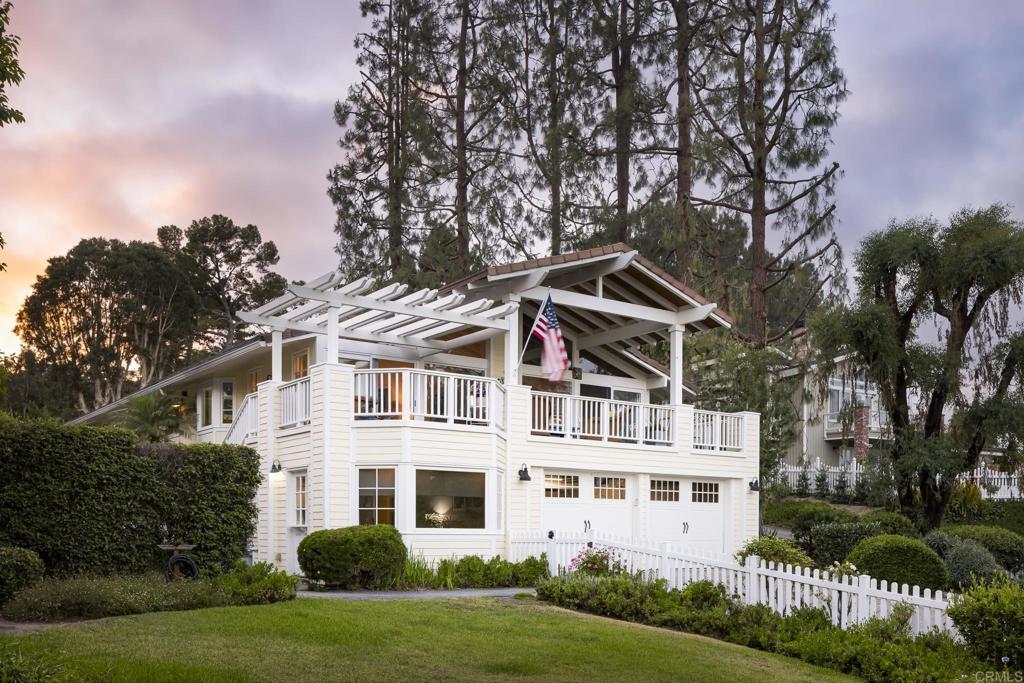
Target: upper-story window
column 206, row 407
column 300, row 364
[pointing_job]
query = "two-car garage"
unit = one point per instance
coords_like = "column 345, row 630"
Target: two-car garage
column 686, row 511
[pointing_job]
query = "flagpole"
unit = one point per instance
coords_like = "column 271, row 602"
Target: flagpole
column 529, row 336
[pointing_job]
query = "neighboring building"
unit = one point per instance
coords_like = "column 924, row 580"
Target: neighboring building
column 375, row 405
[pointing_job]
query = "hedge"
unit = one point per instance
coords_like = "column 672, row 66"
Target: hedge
column 833, row 541
column 898, row 559
column 19, row 568
column 969, row 562
column 990, row 617
column 1005, row 545
column 892, row 523
column 90, row 500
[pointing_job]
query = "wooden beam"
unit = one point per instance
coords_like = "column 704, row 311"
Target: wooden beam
column 606, row 306
column 359, row 335
column 585, row 273
column 637, row 329
column 393, row 307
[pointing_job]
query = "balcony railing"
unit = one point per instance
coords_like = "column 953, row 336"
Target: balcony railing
column 295, row 400
column 599, row 419
column 246, row 422
column 714, row 431
column 407, row 394
column 878, row 424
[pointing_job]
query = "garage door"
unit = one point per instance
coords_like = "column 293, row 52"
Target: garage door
column 578, row 501
column 689, row 512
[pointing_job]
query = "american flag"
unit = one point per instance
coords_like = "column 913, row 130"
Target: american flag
column 553, row 358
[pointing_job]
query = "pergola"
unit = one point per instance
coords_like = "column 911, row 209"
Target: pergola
column 609, row 301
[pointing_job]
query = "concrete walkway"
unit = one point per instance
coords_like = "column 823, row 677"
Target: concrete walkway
column 417, row 595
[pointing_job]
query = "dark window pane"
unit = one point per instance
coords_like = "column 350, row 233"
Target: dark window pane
column 367, row 478
column 449, row 500
column 366, row 517
column 366, row 499
column 386, row 517
column 386, row 501
column 386, row 478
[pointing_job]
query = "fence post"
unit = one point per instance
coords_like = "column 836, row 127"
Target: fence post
column 552, row 561
column 863, row 583
column 663, row 562
column 753, row 580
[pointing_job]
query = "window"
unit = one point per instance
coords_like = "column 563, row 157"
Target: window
column 254, row 380
column 664, row 491
column 300, row 500
column 227, row 402
column 377, row 496
column 206, row 413
column 449, row 500
column 704, row 492
column 626, row 395
column 609, row 488
column 300, row 364
column 561, row 486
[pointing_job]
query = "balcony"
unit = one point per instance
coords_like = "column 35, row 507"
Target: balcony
column 428, row 396
column 878, row 426
column 246, row 424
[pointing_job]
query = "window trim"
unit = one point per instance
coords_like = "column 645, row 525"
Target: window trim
column 705, row 492
column 376, row 494
column 609, row 485
column 295, row 356
column 416, row 529
column 562, row 484
column 672, row 493
column 297, row 520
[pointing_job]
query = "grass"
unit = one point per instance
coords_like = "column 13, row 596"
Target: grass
column 472, row 640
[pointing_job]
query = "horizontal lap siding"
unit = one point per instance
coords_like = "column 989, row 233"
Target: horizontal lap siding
column 374, row 444
column 433, row 547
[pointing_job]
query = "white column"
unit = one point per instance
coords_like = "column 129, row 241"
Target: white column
column 675, row 365
column 512, row 344
column 275, row 355
column 332, row 334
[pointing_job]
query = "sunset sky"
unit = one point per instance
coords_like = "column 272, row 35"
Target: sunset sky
column 143, row 113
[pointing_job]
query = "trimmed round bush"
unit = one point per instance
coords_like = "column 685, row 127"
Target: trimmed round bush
column 19, row 569
column 898, row 559
column 353, row 556
column 892, row 523
column 968, row 561
column 940, row 542
column 1005, row 545
column 774, row 549
column 832, row 541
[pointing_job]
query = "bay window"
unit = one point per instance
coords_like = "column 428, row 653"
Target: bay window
column 377, row 495
column 449, row 499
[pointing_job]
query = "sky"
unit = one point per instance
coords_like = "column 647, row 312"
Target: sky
column 142, row 114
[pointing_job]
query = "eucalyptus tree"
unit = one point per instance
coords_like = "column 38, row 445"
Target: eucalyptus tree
column 769, row 97
column 947, row 400
column 108, row 316
column 380, row 187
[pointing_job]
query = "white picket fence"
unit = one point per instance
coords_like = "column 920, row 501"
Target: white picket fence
column 993, row 484
column 848, row 600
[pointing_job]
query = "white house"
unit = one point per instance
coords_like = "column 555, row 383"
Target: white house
column 373, row 404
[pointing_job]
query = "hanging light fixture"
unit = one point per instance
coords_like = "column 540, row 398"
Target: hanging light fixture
column 524, row 474
column 275, row 466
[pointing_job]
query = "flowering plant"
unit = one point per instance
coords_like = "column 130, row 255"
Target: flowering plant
column 597, row 561
column 838, row 570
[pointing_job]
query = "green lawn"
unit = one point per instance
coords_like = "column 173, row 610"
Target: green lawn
column 478, row 640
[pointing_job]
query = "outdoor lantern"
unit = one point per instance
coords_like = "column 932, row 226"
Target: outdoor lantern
column 755, row 485
column 524, row 474
column 275, row 466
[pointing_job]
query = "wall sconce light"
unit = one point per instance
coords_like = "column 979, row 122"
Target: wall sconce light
column 524, row 474
column 275, row 466
column 755, row 485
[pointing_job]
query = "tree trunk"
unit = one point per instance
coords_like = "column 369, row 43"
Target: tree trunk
column 461, row 161
column 622, row 76
column 684, row 148
column 758, row 213
column 553, row 135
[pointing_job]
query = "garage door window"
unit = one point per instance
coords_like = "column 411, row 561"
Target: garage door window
column 449, row 500
column 609, row 488
column 561, row 486
column 704, row 492
column 664, row 491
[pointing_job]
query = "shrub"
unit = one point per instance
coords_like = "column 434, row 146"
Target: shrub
column 94, row 597
column 892, row 523
column 259, row 584
column 500, row 572
column 861, row 490
column 1008, row 514
column 774, row 549
column 446, row 574
column 597, row 561
column 803, row 481
column 19, row 568
column 940, row 542
column 898, row 559
column 623, row 597
column 90, row 500
column 968, row 561
column 809, row 517
column 353, row 557
column 782, row 512
column 841, row 494
column 531, row 571
column 19, row 667
column 1007, row 546
column 832, row 541
column 990, row 617
column 821, row 487
column 471, row 572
